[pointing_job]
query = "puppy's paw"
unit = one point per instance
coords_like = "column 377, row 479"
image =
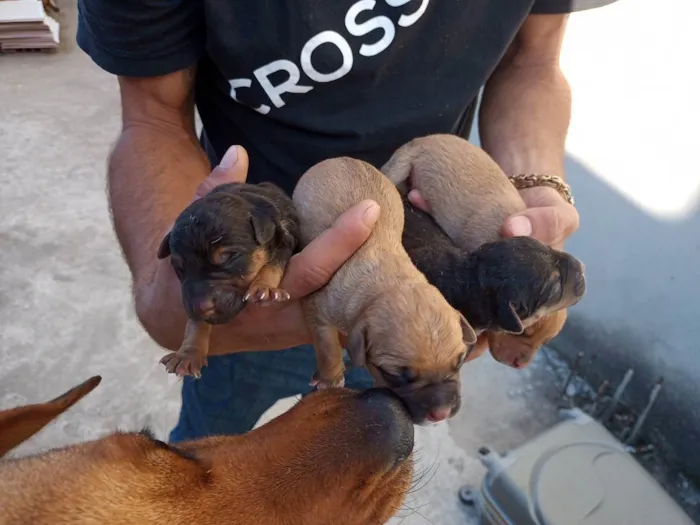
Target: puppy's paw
column 185, row 362
column 262, row 294
column 322, row 384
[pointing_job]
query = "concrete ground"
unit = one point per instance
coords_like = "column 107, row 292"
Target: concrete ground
column 66, row 312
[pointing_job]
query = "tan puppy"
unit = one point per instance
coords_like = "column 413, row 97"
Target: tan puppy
column 278, row 474
column 469, row 198
column 399, row 326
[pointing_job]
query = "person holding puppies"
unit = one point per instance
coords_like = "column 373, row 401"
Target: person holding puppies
column 279, row 89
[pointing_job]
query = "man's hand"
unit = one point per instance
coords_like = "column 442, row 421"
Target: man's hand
column 548, row 217
column 283, row 325
column 156, row 169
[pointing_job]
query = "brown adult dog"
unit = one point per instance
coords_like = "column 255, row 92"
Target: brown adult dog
column 228, row 248
column 287, row 472
column 469, row 198
column 399, row 326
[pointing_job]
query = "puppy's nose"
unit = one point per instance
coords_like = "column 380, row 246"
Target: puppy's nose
column 433, row 402
column 205, row 307
column 439, row 414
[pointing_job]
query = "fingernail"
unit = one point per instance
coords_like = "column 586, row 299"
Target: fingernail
column 230, row 158
column 371, row 214
column 520, row 226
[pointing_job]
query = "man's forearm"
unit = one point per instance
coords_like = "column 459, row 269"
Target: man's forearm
column 526, row 105
column 152, row 176
column 153, row 172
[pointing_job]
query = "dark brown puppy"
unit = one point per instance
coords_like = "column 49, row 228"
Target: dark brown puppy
column 228, row 248
column 399, row 325
column 278, row 474
column 470, row 197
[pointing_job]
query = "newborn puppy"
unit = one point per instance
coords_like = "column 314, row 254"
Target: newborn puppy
column 514, row 288
column 399, row 326
column 228, row 248
column 501, row 286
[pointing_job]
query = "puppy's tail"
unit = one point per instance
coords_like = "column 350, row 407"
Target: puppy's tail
column 20, row 423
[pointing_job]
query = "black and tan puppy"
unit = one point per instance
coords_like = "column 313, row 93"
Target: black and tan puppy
column 399, row 325
column 516, row 289
column 499, row 286
column 228, row 248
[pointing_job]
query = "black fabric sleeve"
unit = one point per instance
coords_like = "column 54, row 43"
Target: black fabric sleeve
column 141, row 38
column 559, row 7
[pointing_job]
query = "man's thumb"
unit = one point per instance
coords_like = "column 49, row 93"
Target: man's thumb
column 233, row 167
column 539, row 223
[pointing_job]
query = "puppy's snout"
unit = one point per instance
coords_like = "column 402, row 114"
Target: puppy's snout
column 200, row 304
column 205, row 301
column 387, row 418
column 205, row 307
column 574, row 276
column 434, row 402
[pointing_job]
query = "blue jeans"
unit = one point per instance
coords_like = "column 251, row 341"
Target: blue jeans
column 236, row 389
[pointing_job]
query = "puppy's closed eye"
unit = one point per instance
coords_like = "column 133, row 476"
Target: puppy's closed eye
column 404, row 376
column 222, row 256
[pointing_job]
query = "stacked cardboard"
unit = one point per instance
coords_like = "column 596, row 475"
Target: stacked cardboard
column 24, row 25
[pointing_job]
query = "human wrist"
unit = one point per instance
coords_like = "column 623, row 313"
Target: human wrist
column 158, row 307
column 548, row 184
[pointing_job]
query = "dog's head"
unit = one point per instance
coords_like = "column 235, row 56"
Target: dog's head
column 217, row 246
column 290, row 469
column 278, row 473
column 521, row 281
column 414, row 343
column 518, row 350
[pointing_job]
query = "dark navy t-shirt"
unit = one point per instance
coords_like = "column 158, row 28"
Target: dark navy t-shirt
column 298, row 81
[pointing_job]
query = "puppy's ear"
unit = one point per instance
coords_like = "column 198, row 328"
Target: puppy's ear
column 508, row 319
column 164, row 248
column 357, row 345
column 263, row 224
column 468, row 333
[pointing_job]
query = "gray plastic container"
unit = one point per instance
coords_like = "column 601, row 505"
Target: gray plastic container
column 575, row 473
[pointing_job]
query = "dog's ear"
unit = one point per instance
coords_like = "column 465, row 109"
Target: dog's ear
column 357, row 346
column 468, row 333
column 164, row 248
column 508, row 319
column 263, row 223
column 20, row 423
